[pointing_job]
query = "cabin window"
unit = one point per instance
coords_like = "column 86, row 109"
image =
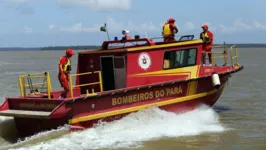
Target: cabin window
column 180, row 58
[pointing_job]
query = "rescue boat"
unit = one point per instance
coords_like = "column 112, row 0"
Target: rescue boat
column 122, row 77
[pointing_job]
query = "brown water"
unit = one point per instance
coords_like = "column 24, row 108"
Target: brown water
column 237, row 121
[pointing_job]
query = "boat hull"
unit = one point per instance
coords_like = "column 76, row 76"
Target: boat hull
column 86, row 113
column 180, row 107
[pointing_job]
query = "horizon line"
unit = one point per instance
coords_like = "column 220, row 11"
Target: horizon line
column 36, row 47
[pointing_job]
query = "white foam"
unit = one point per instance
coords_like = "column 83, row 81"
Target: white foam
column 42, row 136
column 132, row 130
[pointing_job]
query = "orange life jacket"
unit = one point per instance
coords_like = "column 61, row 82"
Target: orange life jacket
column 67, row 66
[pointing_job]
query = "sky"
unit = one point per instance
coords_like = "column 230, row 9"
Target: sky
column 38, row 23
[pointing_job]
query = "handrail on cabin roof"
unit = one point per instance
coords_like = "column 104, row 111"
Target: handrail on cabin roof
column 107, row 43
column 145, row 47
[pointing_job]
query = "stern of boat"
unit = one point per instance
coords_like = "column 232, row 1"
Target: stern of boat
column 35, row 109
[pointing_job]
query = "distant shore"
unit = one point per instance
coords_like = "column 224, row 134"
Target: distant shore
column 88, row 47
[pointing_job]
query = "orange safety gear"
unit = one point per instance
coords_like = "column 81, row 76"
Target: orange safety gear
column 63, row 79
column 205, row 26
column 66, row 64
column 171, row 20
column 70, row 51
column 205, row 37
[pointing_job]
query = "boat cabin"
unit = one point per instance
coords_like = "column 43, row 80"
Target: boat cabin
column 136, row 62
column 127, row 64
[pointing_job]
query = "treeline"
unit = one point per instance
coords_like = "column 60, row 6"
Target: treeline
column 73, row 47
column 245, row 45
column 98, row 47
column 19, row 49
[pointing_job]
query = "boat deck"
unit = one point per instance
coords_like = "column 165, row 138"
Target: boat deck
column 26, row 114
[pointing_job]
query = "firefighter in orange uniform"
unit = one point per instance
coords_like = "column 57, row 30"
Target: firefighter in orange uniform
column 207, row 38
column 64, row 71
column 169, row 30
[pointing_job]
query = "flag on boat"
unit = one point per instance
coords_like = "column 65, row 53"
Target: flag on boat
column 103, row 28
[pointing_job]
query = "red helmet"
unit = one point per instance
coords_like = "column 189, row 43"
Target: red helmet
column 205, row 26
column 70, row 51
column 171, row 20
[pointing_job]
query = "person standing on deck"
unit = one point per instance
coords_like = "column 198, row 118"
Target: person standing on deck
column 207, row 38
column 169, row 30
column 64, row 70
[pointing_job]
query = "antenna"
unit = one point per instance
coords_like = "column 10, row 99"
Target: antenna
column 107, row 31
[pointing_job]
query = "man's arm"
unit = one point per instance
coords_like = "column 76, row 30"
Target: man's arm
column 174, row 28
column 163, row 29
column 62, row 62
column 211, row 36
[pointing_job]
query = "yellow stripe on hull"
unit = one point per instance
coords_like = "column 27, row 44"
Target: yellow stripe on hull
column 192, row 88
column 192, row 71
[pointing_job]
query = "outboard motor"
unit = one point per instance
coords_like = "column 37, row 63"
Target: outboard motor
column 216, row 80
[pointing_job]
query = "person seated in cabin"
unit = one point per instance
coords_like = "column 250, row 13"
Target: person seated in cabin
column 64, row 70
column 169, row 30
column 207, row 38
column 166, row 62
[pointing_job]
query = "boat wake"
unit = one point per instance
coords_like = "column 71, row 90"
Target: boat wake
column 131, row 131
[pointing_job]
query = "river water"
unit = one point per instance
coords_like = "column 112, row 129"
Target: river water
column 236, row 122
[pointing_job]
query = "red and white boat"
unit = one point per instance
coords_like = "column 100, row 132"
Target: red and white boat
column 112, row 82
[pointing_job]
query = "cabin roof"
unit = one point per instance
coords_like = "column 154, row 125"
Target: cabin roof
column 183, row 43
column 143, row 48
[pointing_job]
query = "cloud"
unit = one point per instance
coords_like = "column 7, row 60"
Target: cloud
column 189, row 26
column 117, row 26
column 22, row 6
column 225, row 29
column 51, row 26
column 27, row 30
column 105, row 5
column 24, row 9
column 258, row 25
column 240, row 26
column 78, row 28
column 16, row 1
column 113, row 26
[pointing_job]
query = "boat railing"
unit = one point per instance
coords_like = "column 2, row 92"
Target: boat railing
column 234, row 55
column 218, row 55
column 71, row 86
column 34, row 85
column 224, row 55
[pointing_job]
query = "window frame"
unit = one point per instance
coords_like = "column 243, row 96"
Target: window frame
column 187, row 49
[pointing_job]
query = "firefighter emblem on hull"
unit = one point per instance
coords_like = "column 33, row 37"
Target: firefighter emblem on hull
column 144, row 61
